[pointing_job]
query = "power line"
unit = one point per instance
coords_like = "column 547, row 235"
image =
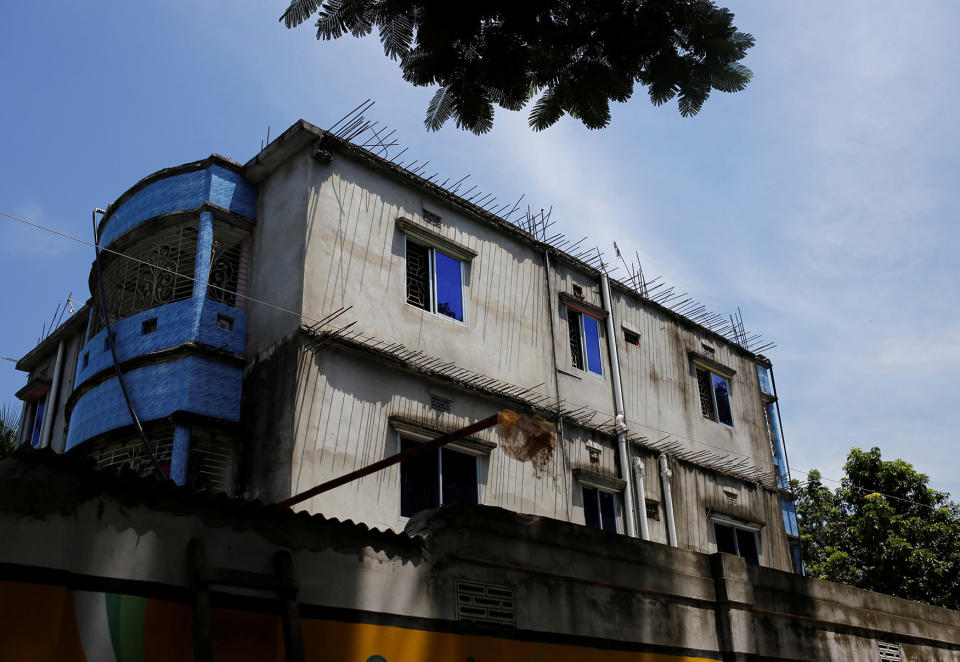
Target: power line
column 154, row 266
column 322, row 321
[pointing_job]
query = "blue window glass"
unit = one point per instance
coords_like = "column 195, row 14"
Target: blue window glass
column 38, row 422
column 591, row 336
column 449, row 285
column 790, row 517
column 721, row 390
column 763, row 373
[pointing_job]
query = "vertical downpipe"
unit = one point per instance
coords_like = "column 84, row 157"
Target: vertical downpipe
column 620, row 426
column 641, row 498
column 665, row 474
column 51, row 409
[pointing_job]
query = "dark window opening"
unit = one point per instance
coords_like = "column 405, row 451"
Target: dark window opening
column 703, row 386
column 599, row 509
column 436, row 478
column 578, row 291
column 576, row 340
column 86, row 359
column 631, row 338
column 737, row 541
column 224, row 322
column 148, row 326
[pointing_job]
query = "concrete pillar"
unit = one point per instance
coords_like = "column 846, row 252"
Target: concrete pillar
column 202, row 269
column 736, row 631
column 180, row 462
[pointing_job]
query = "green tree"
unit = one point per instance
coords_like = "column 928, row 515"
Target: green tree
column 575, row 56
column 883, row 530
column 9, row 426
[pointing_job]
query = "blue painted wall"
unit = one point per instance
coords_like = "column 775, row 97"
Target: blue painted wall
column 214, row 184
column 191, row 384
column 175, row 326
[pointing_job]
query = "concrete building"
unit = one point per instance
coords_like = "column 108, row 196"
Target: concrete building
column 283, row 322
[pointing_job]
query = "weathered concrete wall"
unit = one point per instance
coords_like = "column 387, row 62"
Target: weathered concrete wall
column 328, row 239
column 572, row 586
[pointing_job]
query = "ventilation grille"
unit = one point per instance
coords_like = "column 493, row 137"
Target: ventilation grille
column 485, row 603
column 440, row 404
column 731, row 497
column 653, row 510
column 431, row 218
column 889, row 652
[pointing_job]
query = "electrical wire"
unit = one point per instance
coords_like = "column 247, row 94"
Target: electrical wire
column 320, row 321
column 113, row 354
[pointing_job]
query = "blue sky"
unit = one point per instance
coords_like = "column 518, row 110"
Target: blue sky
column 821, row 200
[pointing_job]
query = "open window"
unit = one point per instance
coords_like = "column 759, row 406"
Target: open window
column 434, row 280
column 599, row 508
column 738, row 539
column 439, row 477
column 713, row 386
column 584, row 331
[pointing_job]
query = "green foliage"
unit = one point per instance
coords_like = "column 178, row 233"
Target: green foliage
column 577, row 54
column 883, row 530
column 9, row 426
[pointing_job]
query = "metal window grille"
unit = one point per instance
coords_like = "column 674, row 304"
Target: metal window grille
column 228, row 265
column 162, row 272
column 485, row 603
column 211, row 461
column 706, row 398
column 418, row 275
column 129, row 454
column 576, row 338
column 887, row 652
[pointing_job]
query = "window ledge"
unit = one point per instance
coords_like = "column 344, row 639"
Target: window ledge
column 705, row 361
column 592, row 478
column 426, row 432
column 436, row 240
column 582, row 306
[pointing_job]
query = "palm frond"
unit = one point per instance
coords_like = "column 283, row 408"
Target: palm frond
column 299, row 11
column 440, row 109
column 547, row 111
column 396, row 33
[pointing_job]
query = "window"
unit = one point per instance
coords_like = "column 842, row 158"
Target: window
column 434, row 281
column 653, row 510
column 737, row 540
column 584, row 341
column 148, row 326
column 435, row 478
column 714, row 396
column 599, row 509
column 36, row 420
column 763, row 375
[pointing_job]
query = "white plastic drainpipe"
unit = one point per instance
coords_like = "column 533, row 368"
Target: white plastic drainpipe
column 620, row 425
column 665, row 474
column 50, row 410
column 641, row 498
